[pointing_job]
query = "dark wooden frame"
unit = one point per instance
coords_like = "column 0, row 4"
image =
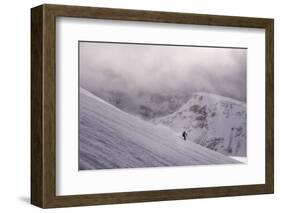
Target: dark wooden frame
column 43, row 105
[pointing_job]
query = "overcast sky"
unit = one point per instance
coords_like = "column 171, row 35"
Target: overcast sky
column 163, row 69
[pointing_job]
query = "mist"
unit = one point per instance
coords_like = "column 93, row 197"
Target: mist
column 136, row 69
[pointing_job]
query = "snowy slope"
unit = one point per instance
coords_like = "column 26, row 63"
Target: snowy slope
column 213, row 121
column 111, row 138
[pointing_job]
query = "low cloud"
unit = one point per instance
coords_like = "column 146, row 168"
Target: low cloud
column 135, row 69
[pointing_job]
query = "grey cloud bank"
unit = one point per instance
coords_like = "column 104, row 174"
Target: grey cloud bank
column 151, row 69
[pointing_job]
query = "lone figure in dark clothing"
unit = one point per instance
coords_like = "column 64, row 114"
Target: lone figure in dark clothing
column 184, row 135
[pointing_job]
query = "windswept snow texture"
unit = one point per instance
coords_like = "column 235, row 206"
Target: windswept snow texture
column 110, row 138
column 213, row 121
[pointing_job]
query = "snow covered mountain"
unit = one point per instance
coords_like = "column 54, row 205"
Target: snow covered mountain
column 213, row 121
column 110, row 138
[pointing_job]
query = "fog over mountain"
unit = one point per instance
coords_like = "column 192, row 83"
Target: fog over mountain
column 155, row 80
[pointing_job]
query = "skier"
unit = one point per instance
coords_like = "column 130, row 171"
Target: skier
column 229, row 147
column 184, row 135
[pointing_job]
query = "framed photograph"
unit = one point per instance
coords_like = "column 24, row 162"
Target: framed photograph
column 136, row 106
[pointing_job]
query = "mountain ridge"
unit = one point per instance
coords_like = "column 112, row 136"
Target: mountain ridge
column 110, row 138
column 213, row 121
